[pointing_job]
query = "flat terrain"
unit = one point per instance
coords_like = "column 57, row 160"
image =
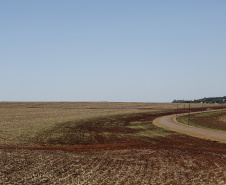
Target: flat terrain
column 20, row 121
column 137, row 165
column 102, row 143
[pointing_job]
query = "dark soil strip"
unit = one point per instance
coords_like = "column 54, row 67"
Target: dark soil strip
column 118, row 146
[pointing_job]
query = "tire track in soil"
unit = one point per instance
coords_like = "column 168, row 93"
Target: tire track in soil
column 116, row 146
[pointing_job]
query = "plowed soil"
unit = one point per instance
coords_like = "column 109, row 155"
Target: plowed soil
column 134, row 165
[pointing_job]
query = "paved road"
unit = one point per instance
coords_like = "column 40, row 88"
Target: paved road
column 169, row 123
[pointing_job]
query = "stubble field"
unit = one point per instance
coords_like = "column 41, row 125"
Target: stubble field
column 122, row 146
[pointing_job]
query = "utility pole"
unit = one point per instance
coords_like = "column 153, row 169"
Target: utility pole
column 184, row 108
column 189, row 109
column 223, row 103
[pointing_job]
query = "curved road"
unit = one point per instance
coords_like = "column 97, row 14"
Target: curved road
column 169, row 122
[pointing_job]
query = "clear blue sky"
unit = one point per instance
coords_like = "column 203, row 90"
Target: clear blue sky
column 119, row 50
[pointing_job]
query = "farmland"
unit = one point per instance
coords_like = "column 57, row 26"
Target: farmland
column 102, row 143
column 20, row 121
column 137, row 165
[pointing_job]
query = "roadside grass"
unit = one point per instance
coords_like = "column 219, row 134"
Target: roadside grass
column 210, row 120
column 205, row 114
column 184, row 120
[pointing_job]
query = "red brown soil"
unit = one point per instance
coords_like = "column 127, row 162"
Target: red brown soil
column 119, row 146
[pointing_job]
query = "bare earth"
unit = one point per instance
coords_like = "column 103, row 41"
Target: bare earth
column 129, row 166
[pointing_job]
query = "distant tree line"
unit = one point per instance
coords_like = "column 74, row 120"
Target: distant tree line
column 204, row 100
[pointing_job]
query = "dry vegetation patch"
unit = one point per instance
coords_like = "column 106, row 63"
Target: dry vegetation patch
column 223, row 118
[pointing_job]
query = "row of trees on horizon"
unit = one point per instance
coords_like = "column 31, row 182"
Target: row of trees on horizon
column 219, row 100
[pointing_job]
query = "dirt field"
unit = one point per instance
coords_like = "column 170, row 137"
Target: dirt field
column 134, row 165
column 111, row 148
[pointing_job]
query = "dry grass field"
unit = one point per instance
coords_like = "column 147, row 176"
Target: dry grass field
column 120, row 146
